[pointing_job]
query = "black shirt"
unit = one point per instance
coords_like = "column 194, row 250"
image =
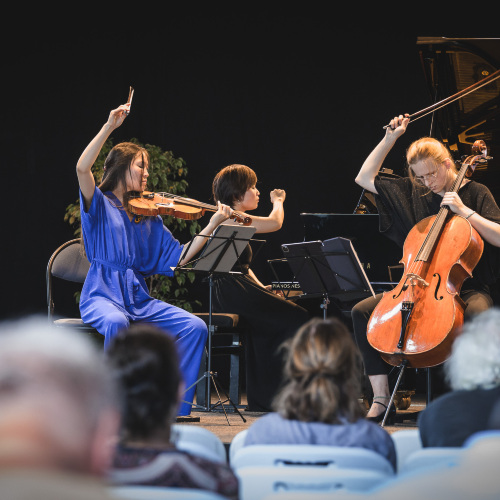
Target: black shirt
column 450, row 419
column 402, row 204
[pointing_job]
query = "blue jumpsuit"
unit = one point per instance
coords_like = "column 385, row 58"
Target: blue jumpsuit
column 121, row 254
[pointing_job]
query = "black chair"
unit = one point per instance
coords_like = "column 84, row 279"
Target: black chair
column 69, row 264
column 228, row 330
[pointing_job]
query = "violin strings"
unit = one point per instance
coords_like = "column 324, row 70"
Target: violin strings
column 188, row 201
column 191, row 202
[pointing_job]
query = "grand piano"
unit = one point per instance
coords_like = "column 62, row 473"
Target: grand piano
column 449, row 65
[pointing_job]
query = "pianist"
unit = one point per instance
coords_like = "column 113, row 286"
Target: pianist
column 271, row 319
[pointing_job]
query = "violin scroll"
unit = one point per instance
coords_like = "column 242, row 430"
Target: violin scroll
column 245, row 221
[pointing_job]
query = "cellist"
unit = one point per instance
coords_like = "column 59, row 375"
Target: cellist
column 402, row 203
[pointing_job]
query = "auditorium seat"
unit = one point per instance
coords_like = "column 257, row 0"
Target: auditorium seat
column 256, row 482
column 305, row 454
column 199, row 441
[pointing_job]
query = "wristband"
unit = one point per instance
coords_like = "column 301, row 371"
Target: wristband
column 472, row 213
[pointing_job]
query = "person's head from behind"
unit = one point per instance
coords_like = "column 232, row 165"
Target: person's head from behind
column 144, row 362
column 322, row 375
column 474, row 362
column 125, row 168
column 59, row 407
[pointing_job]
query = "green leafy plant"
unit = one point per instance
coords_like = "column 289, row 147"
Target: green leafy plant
column 168, row 174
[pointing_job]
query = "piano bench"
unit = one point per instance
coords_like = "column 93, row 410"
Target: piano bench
column 228, row 330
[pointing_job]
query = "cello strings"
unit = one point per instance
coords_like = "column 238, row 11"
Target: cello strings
column 431, row 237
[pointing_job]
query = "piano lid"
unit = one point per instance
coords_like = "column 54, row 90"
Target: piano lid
column 451, row 65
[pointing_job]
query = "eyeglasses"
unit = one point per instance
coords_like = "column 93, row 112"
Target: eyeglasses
column 427, row 177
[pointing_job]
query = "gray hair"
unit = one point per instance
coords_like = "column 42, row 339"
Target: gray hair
column 475, row 357
column 57, row 374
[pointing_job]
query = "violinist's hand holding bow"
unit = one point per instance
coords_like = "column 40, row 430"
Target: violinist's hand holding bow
column 117, row 116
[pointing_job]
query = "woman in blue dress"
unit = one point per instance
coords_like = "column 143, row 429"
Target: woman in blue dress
column 124, row 249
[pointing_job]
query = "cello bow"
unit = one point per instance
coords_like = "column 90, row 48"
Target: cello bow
column 448, row 100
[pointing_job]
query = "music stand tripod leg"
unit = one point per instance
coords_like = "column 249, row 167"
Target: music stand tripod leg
column 324, row 306
column 209, row 360
column 208, row 375
column 214, row 259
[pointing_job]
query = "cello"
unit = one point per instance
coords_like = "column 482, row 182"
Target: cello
column 415, row 324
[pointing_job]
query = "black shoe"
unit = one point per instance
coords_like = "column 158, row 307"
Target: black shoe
column 390, row 416
column 187, row 418
column 256, row 409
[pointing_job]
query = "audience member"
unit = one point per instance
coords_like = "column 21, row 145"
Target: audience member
column 145, row 365
column 319, row 402
column 473, row 373
column 59, row 414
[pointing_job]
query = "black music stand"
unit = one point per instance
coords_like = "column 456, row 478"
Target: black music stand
column 328, row 269
column 219, row 255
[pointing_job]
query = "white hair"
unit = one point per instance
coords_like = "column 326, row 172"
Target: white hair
column 475, row 357
column 56, row 377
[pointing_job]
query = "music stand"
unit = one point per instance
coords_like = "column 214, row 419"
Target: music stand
column 219, row 255
column 328, row 269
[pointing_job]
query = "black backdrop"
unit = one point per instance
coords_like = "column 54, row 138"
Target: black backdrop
column 301, row 99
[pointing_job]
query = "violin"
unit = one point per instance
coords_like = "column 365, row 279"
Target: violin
column 416, row 323
column 147, row 204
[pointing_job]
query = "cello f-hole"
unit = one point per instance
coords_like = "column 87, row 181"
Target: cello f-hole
column 403, row 289
column 437, row 286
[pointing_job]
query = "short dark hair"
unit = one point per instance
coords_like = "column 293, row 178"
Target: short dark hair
column 232, row 182
column 144, row 362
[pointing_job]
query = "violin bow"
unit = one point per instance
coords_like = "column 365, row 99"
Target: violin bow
column 129, row 100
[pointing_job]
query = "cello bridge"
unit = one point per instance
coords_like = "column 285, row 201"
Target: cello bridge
column 415, row 278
